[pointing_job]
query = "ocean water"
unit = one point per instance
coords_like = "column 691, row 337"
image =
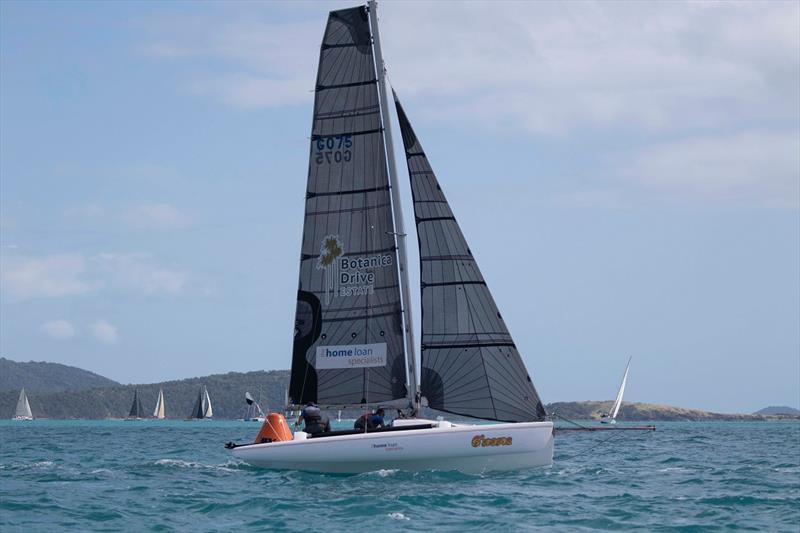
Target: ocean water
column 176, row 476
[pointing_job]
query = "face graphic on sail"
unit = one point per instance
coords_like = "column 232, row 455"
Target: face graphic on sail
column 348, row 276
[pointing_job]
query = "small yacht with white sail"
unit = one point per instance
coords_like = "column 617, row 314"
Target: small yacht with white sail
column 611, row 416
column 160, row 411
column 23, row 410
column 354, row 344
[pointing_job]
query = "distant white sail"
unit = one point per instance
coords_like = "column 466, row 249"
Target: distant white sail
column 207, row 412
column 618, row 402
column 160, row 411
column 23, row 411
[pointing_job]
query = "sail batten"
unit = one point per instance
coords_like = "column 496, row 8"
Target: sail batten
column 470, row 363
column 348, row 343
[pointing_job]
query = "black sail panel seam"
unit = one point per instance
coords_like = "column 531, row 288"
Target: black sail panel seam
column 447, row 258
column 433, row 219
column 317, row 136
column 350, row 210
column 343, row 45
column 467, row 345
column 312, row 194
column 345, row 85
column 450, row 283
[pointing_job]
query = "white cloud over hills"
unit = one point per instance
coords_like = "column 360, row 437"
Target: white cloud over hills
column 58, row 329
column 104, row 332
column 62, row 275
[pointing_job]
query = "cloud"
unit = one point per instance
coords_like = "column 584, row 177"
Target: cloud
column 58, row 329
column 145, row 216
column 57, row 276
column 87, row 212
column 251, row 92
column 155, row 216
column 536, row 67
column 268, row 64
column 554, row 68
column 104, row 332
column 52, row 276
column 759, row 167
column 138, row 273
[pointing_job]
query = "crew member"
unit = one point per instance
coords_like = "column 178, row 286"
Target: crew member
column 315, row 421
column 370, row 421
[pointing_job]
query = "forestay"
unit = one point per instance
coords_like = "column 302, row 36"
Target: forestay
column 348, row 339
column 470, row 364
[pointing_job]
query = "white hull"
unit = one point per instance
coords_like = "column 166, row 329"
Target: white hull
column 22, row 418
column 466, row 448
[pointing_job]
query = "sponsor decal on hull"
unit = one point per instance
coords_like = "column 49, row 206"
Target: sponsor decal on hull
column 483, row 441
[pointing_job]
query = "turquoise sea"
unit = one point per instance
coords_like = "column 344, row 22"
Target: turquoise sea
column 176, row 476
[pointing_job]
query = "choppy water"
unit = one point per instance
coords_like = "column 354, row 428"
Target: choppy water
column 176, row 476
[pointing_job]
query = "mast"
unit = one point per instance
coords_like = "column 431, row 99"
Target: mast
column 400, row 234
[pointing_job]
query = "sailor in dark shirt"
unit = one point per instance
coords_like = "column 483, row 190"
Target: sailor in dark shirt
column 371, row 421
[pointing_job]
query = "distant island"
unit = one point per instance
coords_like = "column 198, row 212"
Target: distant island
column 778, row 410
column 65, row 392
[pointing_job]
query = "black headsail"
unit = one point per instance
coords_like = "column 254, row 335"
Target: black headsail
column 348, row 338
column 470, row 365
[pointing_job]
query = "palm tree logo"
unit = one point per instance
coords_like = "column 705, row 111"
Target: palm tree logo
column 329, row 251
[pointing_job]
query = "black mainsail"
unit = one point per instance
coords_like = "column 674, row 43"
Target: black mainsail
column 199, row 409
column 136, row 408
column 470, row 364
column 348, row 339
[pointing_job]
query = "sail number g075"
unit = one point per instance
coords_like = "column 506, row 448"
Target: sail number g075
column 333, row 149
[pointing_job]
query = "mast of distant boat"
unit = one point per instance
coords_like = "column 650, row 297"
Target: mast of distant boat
column 400, row 235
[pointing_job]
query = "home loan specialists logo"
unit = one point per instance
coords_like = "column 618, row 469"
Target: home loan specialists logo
column 348, row 276
column 351, row 356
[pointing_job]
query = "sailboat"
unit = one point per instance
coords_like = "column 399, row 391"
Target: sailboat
column 136, row 412
column 160, row 411
column 611, row 416
column 254, row 412
column 354, row 342
column 202, row 407
column 23, row 410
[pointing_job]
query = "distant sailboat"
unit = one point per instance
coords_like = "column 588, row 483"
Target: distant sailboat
column 160, row 412
column 207, row 412
column 611, row 416
column 136, row 412
column 254, row 412
column 23, row 411
column 202, row 407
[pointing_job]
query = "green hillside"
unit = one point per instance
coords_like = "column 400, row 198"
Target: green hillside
column 59, row 391
column 226, row 392
column 47, row 377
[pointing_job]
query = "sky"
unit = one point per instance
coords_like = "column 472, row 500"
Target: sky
column 627, row 175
